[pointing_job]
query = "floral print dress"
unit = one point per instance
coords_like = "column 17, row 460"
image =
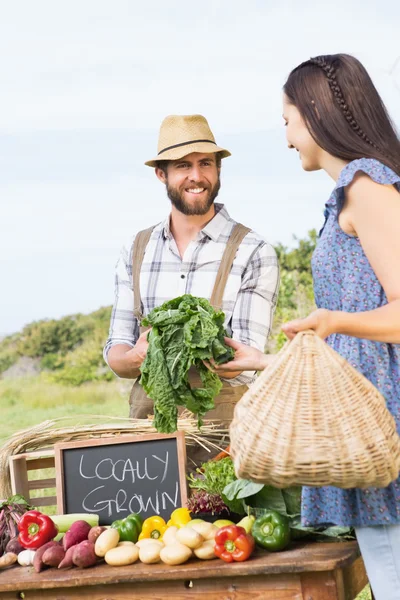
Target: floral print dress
column 344, row 280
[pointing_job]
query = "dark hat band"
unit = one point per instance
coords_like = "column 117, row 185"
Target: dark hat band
column 185, row 144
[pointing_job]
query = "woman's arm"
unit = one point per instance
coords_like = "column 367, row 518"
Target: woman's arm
column 373, row 210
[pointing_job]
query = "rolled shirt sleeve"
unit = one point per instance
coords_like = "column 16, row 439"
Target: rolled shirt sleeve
column 124, row 327
column 255, row 305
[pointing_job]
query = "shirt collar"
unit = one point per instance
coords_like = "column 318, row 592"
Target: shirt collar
column 213, row 229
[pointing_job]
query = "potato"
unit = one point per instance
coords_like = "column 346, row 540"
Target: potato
column 8, row 559
column 122, row 555
column 78, row 532
column 147, row 541
column 206, row 550
column 106, row 541
column 169, row 535
column 207, row 530
column 150, row 553
column 175, row 554
column 53, row 556
column 38, row 563
column 189, row 537
column 84, row 555
column 125, row 543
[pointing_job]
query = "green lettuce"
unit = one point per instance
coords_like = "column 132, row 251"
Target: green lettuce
column 185, row 331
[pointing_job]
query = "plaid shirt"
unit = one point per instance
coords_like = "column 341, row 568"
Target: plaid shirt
column 250, row 294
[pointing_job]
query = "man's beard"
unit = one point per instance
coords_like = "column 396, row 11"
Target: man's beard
column 197, row 208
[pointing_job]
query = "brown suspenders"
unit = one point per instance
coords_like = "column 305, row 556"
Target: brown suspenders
column 139, row 247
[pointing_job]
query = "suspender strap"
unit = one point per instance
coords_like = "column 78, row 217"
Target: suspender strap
column 235, row 239
column 139, row 248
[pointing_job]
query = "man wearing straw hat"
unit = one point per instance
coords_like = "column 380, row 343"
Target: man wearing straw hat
column 198, row 249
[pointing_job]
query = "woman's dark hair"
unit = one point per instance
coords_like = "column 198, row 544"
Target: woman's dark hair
column 343, row 110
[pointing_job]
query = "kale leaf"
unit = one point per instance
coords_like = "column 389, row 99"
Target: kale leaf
column 185, row 331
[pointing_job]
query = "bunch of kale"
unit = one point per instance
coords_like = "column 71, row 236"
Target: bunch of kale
column 185, row 331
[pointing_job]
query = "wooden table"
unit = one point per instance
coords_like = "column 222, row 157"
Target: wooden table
column 307, row 571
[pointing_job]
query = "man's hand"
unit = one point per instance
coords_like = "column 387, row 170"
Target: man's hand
column 246, row 359
column 126, row 361
column 137, row 354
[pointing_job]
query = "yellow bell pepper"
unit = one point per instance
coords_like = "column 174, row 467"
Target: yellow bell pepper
column 153, row 528
column 180, row 517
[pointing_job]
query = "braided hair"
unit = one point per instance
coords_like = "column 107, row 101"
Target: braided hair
column 330, row 73
column 366, row 129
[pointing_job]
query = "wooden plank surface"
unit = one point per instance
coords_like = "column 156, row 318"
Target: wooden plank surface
column 300, row 558
column 275, row 587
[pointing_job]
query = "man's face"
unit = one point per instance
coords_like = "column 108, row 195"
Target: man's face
column 192, row 182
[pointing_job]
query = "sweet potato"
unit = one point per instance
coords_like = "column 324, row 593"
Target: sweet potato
column 83, row 555
column 66, row 562
column 95, row 532
column 38, row 563
column 77, row 533
column 53, row 556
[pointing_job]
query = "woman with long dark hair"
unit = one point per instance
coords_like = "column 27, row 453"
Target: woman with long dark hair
column 337, row 121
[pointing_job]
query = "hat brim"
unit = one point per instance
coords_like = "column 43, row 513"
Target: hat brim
column 180, row 152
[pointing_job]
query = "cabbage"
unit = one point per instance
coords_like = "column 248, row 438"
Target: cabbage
column 185, row 331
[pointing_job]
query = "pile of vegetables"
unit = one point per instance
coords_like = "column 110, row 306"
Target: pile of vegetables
column 68, row 541
column 185, row 331
column 215, row 489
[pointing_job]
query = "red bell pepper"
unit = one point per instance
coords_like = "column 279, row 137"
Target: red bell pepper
column 232, row 543
column 35, row 530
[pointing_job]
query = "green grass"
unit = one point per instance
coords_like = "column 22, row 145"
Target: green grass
column 28, row 402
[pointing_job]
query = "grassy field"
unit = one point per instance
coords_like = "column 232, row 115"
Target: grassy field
column 28, row 402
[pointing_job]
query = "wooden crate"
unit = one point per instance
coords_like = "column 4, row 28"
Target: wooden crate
column 23, row 464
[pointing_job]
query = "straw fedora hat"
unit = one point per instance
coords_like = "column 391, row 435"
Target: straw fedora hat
column 181, row 135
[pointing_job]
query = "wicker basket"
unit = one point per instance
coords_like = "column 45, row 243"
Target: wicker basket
column 312, row 419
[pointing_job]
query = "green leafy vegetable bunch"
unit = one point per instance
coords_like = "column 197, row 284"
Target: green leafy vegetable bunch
column 185, row 331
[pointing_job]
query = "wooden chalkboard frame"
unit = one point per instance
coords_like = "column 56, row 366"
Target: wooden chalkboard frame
column 122, row 439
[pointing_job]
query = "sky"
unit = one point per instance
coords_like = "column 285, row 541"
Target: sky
column 85, row 85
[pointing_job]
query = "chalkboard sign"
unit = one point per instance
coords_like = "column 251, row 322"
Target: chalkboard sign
column 114, row 477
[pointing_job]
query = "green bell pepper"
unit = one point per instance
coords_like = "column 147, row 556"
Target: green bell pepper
column 271, row 531
column 129, row 528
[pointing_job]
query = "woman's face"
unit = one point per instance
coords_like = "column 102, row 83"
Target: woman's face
column 299, row 138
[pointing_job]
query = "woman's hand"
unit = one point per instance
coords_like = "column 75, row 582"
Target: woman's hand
column 246, row 359
column 322, row 321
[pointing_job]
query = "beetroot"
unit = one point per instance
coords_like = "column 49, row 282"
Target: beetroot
column 78, row 532
column 14, row 546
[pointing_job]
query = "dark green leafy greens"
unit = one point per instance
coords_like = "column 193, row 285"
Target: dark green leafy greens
column 185, row 331
column 257, row 498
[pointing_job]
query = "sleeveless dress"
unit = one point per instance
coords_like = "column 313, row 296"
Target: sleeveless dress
column 345, row 281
